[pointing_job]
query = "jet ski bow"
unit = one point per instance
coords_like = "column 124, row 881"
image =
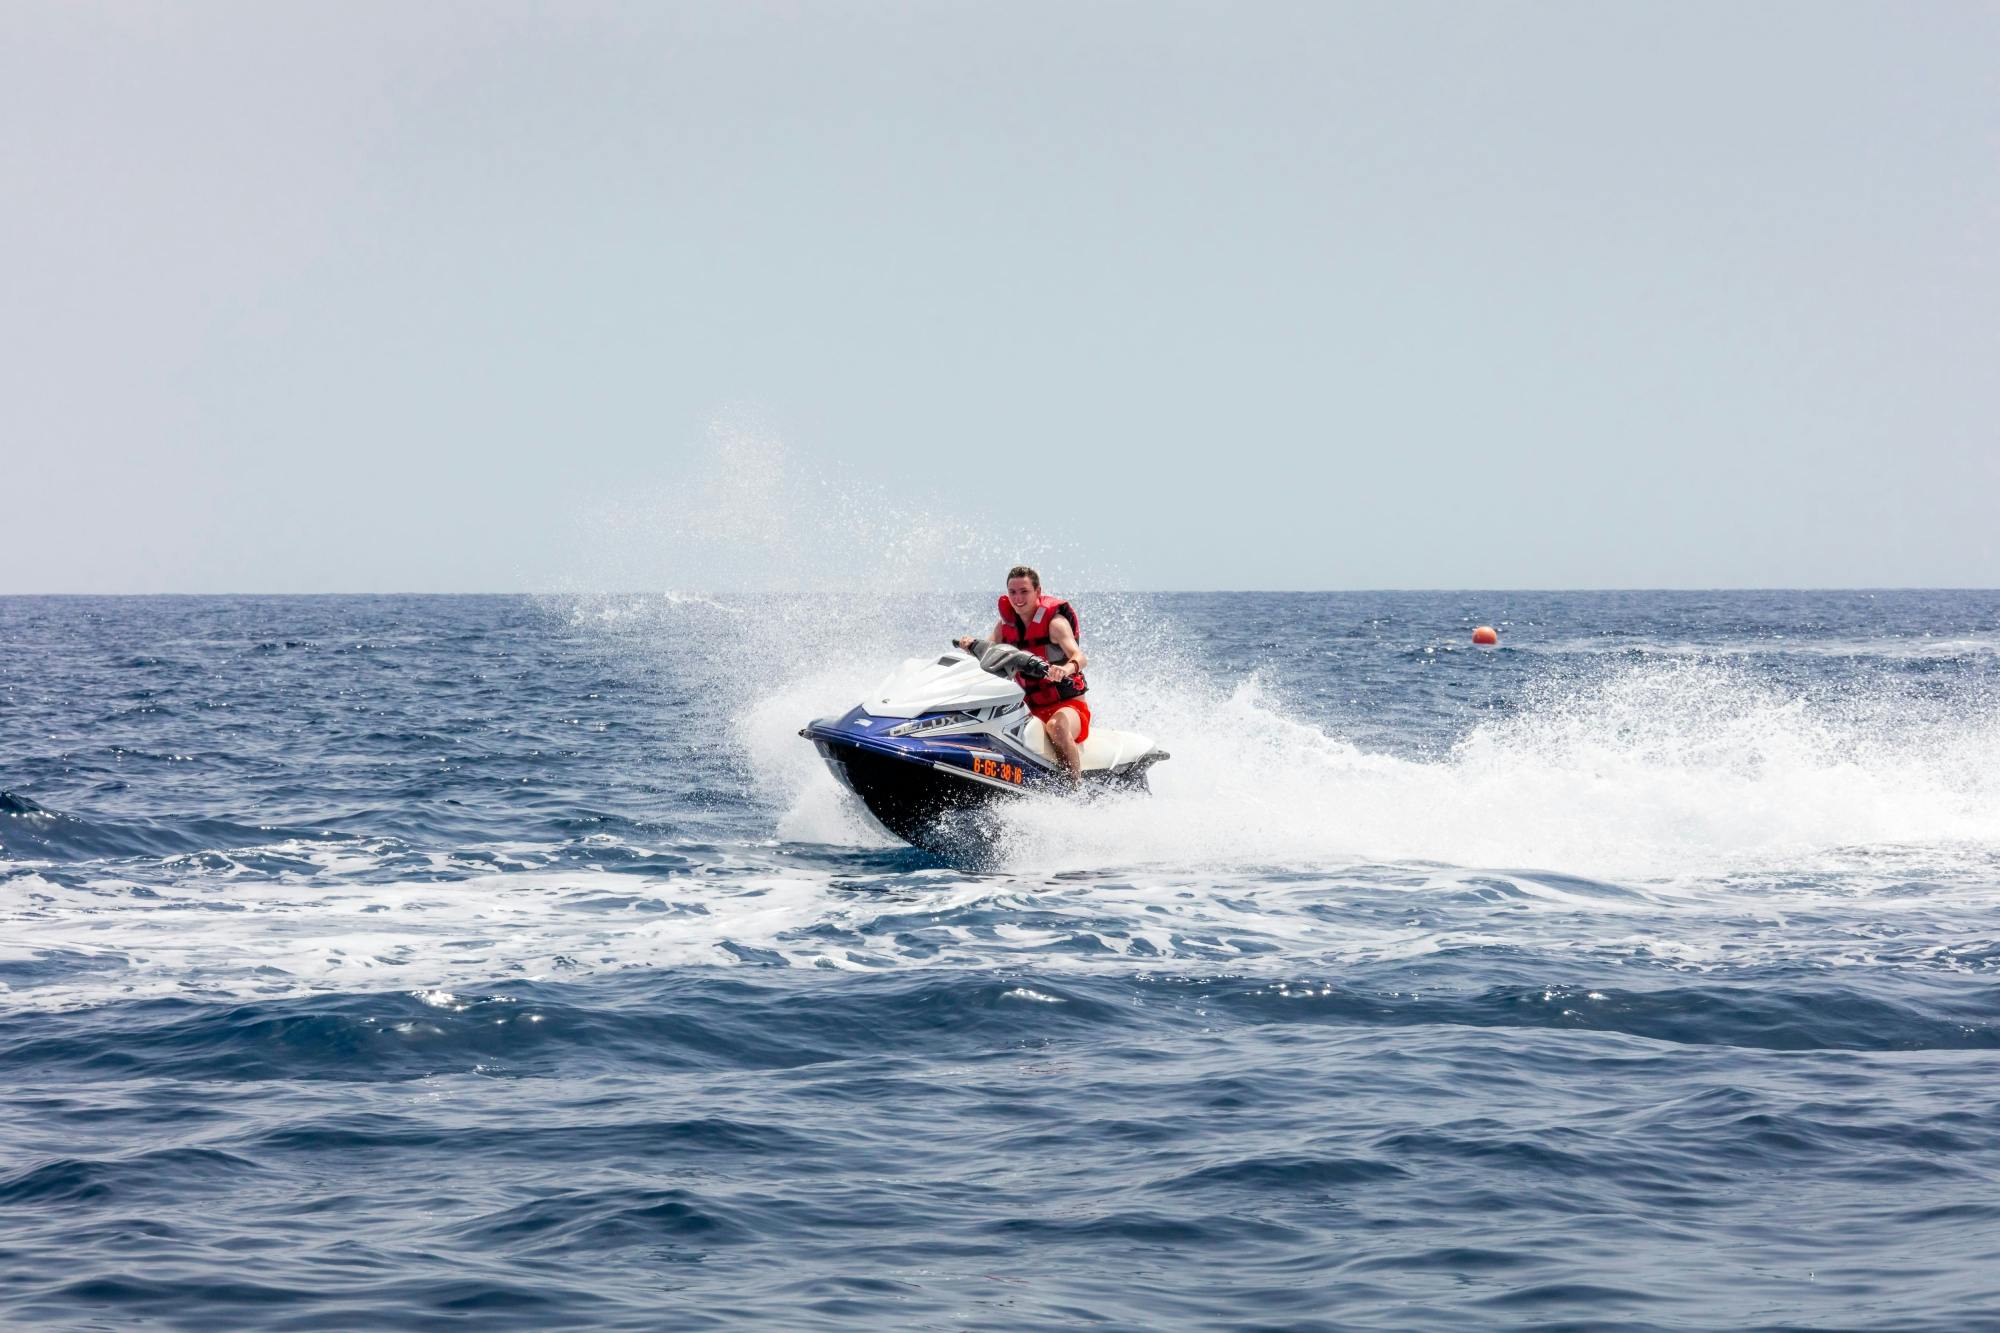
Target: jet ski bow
column 944, row 738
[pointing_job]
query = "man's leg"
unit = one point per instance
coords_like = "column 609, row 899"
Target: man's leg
column 1061, row 729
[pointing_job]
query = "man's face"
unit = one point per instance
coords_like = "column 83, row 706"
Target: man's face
column 1020, row 594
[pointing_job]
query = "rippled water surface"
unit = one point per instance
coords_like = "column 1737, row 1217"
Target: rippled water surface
column 424, row 962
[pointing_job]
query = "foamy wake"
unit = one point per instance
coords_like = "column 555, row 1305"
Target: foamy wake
column 1680, row 815
column 1659, row 773
column 207, row 935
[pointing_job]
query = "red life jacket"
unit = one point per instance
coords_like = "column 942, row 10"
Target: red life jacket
column 1032, row 635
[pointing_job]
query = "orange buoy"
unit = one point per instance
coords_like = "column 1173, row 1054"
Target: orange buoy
column 1485, row 634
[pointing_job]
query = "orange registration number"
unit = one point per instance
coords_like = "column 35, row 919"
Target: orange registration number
column 993, row 768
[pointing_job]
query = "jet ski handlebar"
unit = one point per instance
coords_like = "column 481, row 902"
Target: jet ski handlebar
column 1002, row 659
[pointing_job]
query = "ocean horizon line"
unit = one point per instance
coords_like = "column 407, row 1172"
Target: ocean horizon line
column 956, row 592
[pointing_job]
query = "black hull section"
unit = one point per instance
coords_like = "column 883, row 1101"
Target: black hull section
column 925, row 807
column 943, row 809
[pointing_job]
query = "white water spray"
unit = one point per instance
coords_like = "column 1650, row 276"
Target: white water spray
column 1669, row 768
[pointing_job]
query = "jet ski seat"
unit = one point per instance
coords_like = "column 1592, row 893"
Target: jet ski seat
column 1105, row 748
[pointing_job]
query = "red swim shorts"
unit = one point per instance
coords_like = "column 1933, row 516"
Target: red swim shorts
column 1082, row 713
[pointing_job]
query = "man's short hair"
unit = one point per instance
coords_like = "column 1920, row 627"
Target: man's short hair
column 1023, row 572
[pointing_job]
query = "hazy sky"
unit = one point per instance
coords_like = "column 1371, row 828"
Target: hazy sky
column 420, row 296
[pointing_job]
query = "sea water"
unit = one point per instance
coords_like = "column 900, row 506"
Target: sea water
column 510, row 962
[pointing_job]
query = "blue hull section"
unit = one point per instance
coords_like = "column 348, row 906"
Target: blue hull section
column 928, row 791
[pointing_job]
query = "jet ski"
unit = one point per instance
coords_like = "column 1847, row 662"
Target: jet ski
column 938, row 743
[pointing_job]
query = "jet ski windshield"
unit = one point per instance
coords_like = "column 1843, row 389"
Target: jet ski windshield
column 953, row 681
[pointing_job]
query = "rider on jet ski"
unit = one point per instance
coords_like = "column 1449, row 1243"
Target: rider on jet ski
column 1044, row 626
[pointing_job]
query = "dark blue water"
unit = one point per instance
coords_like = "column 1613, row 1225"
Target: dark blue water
column 425, row 962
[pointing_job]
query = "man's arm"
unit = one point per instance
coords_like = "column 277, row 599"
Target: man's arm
column 1063, row 637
